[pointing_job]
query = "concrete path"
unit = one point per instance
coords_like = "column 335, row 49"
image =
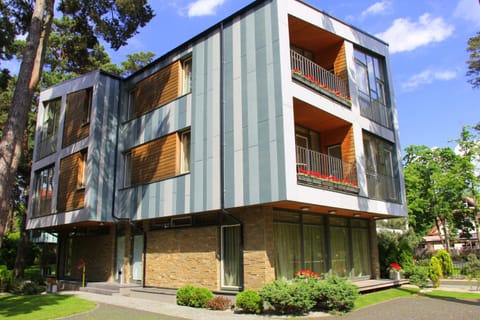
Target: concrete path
column 120, row 307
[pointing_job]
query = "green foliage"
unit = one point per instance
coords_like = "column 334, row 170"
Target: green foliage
column 435, row 271
column 471, row 268
column 435, row 181
column 417, row 275
column 288, row 298
column 474, row 62
column 395, row 247
column 28, row 288
column 6, row 278
column 445, row 261
column 335, row 294
column 249, row 301
column 193, row 297
column 219, row 303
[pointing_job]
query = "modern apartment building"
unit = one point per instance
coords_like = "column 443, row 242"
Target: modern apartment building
column 264, row 145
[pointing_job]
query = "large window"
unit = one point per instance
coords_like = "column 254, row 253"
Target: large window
column 77, row 116
column 43, row 192
column 322, row 244
column 49, row 130
column 370, row 76
column 382, row 176
column 231, row 268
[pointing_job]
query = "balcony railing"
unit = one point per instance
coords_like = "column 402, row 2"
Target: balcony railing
column 374, row 110
column 321, row 170
column 319, row 76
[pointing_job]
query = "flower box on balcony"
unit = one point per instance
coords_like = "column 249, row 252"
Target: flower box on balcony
column 321, row 88
column 326, row 184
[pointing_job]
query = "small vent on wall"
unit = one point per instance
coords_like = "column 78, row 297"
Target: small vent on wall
column 181, row 222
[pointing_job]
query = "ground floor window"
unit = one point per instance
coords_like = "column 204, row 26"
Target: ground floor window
column 322, row 244
column 231, row 269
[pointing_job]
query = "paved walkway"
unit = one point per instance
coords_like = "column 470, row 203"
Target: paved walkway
column 162, row 307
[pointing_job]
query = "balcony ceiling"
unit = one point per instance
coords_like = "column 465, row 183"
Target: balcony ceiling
column 308, row 36
column 316, row 119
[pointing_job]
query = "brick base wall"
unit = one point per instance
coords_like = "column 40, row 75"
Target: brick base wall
column 178, row 257
column 258, row 247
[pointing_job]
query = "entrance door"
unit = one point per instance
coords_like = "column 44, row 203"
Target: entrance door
column 137, row 263
column 231, row 268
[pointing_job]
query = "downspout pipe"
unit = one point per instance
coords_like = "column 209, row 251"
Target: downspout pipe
column 115, row 165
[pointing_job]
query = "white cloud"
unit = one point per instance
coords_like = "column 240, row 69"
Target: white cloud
column 405, row 35
column 203, row 7
column 468, row 10
column 428, row 76
column 376, row 8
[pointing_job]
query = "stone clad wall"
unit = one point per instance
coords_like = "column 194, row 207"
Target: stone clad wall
column 258, row 247
column 177, row 257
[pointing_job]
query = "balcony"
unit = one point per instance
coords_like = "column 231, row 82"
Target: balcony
column 318, row 78
column 319, row 170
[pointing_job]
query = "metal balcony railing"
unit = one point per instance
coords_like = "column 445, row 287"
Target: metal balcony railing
column 317, row 74
column 325, row 167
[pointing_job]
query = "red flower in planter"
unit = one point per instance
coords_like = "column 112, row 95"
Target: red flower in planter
column 395, row 266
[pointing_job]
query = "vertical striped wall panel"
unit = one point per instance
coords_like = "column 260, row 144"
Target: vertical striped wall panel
column 205, row 131
column 101, row 149
column 254, row 154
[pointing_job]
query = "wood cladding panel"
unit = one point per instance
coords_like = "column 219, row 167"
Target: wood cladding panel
column 158, row 89
column 70, row 196
column 76, row 124
column 340, row 65
column 155, row 160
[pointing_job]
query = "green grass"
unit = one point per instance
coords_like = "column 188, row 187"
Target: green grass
column 383, row 295
column 41, row 307
column 368, row 299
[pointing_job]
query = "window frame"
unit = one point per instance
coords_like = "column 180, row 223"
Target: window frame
column 82, row 170
column 187, row 64
column 185, row 164
column 40, row 201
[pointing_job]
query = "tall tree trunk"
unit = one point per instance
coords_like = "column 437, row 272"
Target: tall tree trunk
column 438, row 223
column 19, row 268
column 28, row 78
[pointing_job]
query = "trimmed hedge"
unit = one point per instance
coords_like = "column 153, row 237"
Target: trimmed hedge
column 249, row 301
column 193, row 297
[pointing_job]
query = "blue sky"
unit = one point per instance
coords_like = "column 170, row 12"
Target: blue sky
column 427, row 44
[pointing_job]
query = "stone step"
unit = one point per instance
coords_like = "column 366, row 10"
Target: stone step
column 107, row 292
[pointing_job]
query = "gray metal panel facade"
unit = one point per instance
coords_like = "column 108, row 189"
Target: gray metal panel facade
column 101, row 149
column 254, row 135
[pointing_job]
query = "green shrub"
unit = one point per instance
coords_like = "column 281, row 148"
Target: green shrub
column 219, row 303
column 435, row 271
column 193, row 297
column 249, row 301
column 27, row 288
column 471, row 268
column 335, row 294
column 288, row 298
column 445, row 262
column 417, row 275
column 6, row 278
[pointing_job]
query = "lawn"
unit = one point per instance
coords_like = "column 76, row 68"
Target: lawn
column 41, row 306
column 384, row 295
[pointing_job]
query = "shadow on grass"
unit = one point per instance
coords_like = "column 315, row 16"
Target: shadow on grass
column 454, row 297
column 13, row 305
